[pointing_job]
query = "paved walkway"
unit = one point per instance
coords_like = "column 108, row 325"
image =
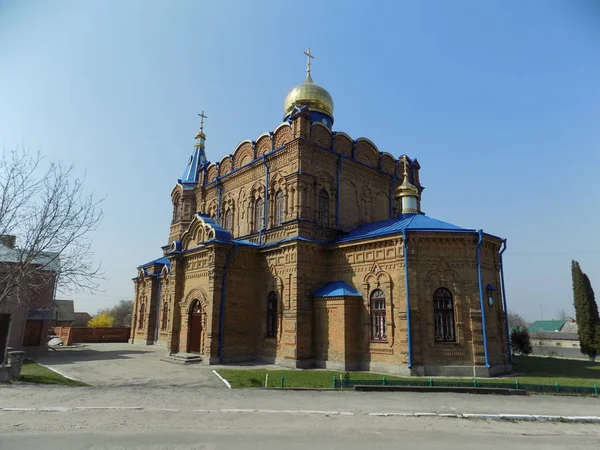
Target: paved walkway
column 121, row 365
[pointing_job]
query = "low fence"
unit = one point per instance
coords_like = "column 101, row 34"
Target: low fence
column 555, row 388
column 80, row 335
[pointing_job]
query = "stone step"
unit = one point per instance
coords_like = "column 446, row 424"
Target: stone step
column 183, row 358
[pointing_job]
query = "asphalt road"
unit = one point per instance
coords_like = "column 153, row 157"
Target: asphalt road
column 139, row 402
column 147, row 430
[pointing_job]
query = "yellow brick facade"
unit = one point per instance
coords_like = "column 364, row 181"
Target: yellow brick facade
column 317, row 185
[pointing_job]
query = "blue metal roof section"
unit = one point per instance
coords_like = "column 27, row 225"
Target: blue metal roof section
column 191, row 174
column 221, row 234
column 408, row 222
column 337, row 289
column 160, row 261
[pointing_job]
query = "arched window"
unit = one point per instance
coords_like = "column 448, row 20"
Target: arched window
column 259, row 213
column 272, row 315
column 378, row 325
column 443, row 315
column 165, row 316
column 228, row 220
column 323, row 214
column 279, row 208
column 141, row 317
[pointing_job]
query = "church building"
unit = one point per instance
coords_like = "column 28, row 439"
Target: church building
column 308, row 248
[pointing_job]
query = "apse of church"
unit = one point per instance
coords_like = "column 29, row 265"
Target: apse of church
column 308, row 248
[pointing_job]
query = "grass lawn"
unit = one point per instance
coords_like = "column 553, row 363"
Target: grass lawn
column 568, row 372
column 531, row 370
column 32, row 372
column 244, row 378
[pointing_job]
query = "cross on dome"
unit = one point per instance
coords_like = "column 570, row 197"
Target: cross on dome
column 202, row 120
column 309, row 56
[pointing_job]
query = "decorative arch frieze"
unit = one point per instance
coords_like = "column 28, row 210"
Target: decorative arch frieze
column 263, row 145
column 366, row 152
column 225, row 165
column 243, row 154
column 321, row 135
column 343, row 144
column 282, row 135
column 211, row 172
column 194, row 294
column 388, row 163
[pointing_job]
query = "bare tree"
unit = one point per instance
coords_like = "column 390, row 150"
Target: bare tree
column 562, row 315
column 43, row 204
column 516, row 320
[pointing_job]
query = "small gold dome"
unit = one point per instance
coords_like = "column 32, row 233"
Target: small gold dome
column 311, row 95
column 407, row 189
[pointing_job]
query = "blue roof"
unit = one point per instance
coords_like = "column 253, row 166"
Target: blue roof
column 221, row 234
column 191, row 173
column 161, row 261
column 337, row 289
column 408, row 222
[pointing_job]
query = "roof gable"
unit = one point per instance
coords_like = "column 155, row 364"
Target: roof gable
column 337, row 289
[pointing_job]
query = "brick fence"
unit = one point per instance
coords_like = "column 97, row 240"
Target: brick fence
column 75, row 335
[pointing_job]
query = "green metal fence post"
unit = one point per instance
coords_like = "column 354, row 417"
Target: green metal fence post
column 556, row 384
column 516, row 384
column 474, row 382
column 596, row 389
column 431, row 382
column 282, row 383
column 383, row 381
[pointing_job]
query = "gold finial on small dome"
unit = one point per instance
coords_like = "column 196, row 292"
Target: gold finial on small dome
column 406, row 189
column 309, row 94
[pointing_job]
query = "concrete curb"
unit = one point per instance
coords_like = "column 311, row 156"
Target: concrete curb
column 459, row 390
column 222, row 379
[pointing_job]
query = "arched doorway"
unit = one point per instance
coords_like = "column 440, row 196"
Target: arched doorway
column 195, row 329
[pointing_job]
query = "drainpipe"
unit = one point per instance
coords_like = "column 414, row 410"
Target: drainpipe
column 510, row 358
column 405, row 245
column 219, row 197
column 481, row 303
column 158, row 311
column 337, row 192
column 223, row 288
column 266, row 205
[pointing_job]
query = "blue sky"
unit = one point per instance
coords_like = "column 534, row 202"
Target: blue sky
column 499, row 100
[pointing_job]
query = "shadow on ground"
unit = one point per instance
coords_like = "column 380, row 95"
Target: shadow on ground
column 70, row 355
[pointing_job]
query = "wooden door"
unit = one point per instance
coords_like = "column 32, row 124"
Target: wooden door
column 33, row 333
column 195, row 328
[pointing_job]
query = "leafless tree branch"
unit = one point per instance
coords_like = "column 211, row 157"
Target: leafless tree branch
column 46, row 207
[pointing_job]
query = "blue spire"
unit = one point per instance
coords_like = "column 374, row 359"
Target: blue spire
column 191, row 174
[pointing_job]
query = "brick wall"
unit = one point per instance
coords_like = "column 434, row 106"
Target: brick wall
column 70, row 335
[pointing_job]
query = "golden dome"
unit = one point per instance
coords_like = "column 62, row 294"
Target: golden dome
column 311, row 95
column 406, row 189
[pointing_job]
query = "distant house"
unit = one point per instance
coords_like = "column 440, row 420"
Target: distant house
column 546, row 326
column 24, row 322
column 82, row 319
column 64, row 313
column 559, row 336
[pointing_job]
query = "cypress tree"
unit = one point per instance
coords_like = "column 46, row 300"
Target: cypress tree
column 586, row 312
